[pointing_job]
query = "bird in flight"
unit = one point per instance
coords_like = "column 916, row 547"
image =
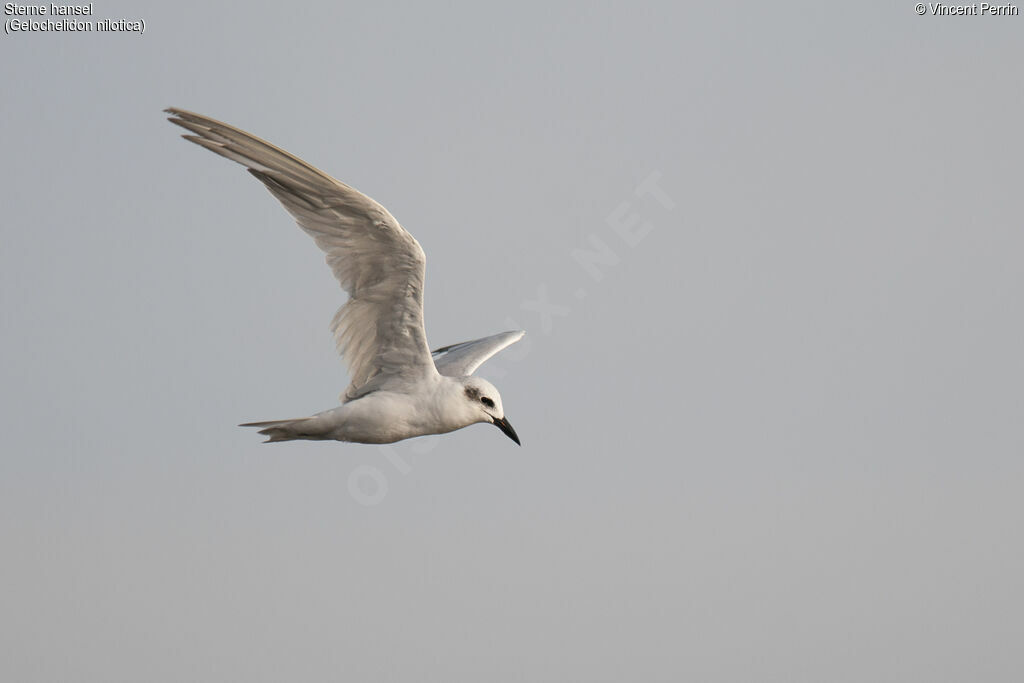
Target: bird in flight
column 399, row 388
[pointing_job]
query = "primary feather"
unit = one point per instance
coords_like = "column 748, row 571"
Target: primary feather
column 379, row 330
column 457, row 360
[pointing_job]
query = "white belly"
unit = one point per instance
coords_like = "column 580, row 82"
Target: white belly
column 382, row 417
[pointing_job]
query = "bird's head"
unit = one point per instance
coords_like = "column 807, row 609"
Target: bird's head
column 485, row 403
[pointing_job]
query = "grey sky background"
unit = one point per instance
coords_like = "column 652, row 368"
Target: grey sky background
column 779, row 440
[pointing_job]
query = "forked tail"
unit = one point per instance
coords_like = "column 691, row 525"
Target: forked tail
column 287, row 430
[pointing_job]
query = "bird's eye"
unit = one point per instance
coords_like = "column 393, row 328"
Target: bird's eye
column 487, row 402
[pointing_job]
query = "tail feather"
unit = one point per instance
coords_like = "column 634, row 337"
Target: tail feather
column 286, row 430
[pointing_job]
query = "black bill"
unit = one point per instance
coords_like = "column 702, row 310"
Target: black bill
column 504, row 426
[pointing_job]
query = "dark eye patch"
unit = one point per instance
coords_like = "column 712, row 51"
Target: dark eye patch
column 487, row 402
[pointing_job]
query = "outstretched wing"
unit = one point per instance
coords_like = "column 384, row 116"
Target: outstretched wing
column 463, row 359
column 379, row 331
